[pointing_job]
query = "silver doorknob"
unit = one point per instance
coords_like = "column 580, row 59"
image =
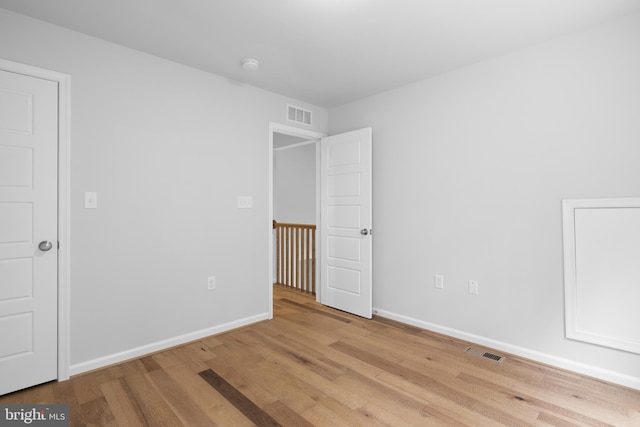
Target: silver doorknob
column 45, row 245
column 364, row 231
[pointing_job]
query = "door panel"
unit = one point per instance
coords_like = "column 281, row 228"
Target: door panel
column 28, row 215
column 16, row 276
column 346, row 193
column 15, row 167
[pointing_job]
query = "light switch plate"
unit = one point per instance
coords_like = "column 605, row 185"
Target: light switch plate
column 438, row 281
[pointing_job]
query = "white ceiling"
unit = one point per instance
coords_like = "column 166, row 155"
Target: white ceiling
column 326, row 52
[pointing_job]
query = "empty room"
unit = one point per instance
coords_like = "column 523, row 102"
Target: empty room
column 319, row 212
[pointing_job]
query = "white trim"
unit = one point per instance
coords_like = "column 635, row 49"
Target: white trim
column 318, row 216
column 558, row 362
column 292, row 131
column 64, row 225
column 296, row 145
column 133, row 353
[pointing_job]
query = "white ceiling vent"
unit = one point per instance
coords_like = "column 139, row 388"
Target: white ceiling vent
column 298, row 115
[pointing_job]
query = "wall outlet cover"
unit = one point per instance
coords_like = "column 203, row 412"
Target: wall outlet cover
column 245, row 202
column 473, row 287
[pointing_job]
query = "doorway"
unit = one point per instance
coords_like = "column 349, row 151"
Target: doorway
column 344, row 213
column 279, row 136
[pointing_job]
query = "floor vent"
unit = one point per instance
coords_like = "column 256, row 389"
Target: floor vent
column 482, row 353
column 298, row 115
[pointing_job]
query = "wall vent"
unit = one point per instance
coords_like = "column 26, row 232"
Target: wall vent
column 482, row 353
column 298, row 115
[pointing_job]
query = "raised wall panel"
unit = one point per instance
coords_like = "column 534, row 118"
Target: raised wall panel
column 343, row 216
column 20, row 216
column 344, row 248
column 602, row 271
column 608, row 265
column 17, row 334
column 344, row 279
column 16, row 167
column 16, row 112
column 16, row 277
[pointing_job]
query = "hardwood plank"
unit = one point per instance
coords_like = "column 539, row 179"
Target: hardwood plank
column 291, row 325
column 292, row 392
column 155, row 410
column 237, row 399
column 238, row 376
column 555, row 421
column 379, row 415
column 179, row 400
column 98, row 413
column 212, row 403
column 285, row 415
column 86, row 387
column 150, row 364
column 329, row 412
column 309, row 308
column 123, row 405
column 64, row 393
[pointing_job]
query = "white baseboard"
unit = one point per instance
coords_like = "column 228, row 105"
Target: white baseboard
column 559, row 362
column 101, row 362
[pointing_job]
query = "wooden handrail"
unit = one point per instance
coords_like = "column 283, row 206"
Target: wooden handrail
column 294, row 225
column 296, row 256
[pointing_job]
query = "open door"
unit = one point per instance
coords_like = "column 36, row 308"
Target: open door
column 346, row 224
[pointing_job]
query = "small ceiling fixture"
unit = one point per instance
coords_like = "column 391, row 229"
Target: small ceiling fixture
column 250, row 64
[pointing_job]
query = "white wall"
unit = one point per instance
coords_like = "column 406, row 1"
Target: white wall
column 294, row 184
column 470, row 168
column 167, row 148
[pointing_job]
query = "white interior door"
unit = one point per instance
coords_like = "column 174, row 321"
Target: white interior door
column 28, row 216
column 345, row 222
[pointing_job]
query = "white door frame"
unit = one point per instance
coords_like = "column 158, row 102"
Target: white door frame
column 64, row 228
column 300, row 133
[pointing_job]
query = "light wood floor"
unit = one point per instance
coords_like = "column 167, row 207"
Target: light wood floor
column 315, row 366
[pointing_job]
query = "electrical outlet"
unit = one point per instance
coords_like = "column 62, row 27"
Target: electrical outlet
column 245, row 202
column 90, row 200
column 473, row 287
column 438, row 281
column 211, row 283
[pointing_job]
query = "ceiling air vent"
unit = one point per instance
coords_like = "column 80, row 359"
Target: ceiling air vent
column 298, row 115
column 482, row 353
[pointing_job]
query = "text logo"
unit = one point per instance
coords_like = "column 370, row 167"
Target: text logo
column 35, row 415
